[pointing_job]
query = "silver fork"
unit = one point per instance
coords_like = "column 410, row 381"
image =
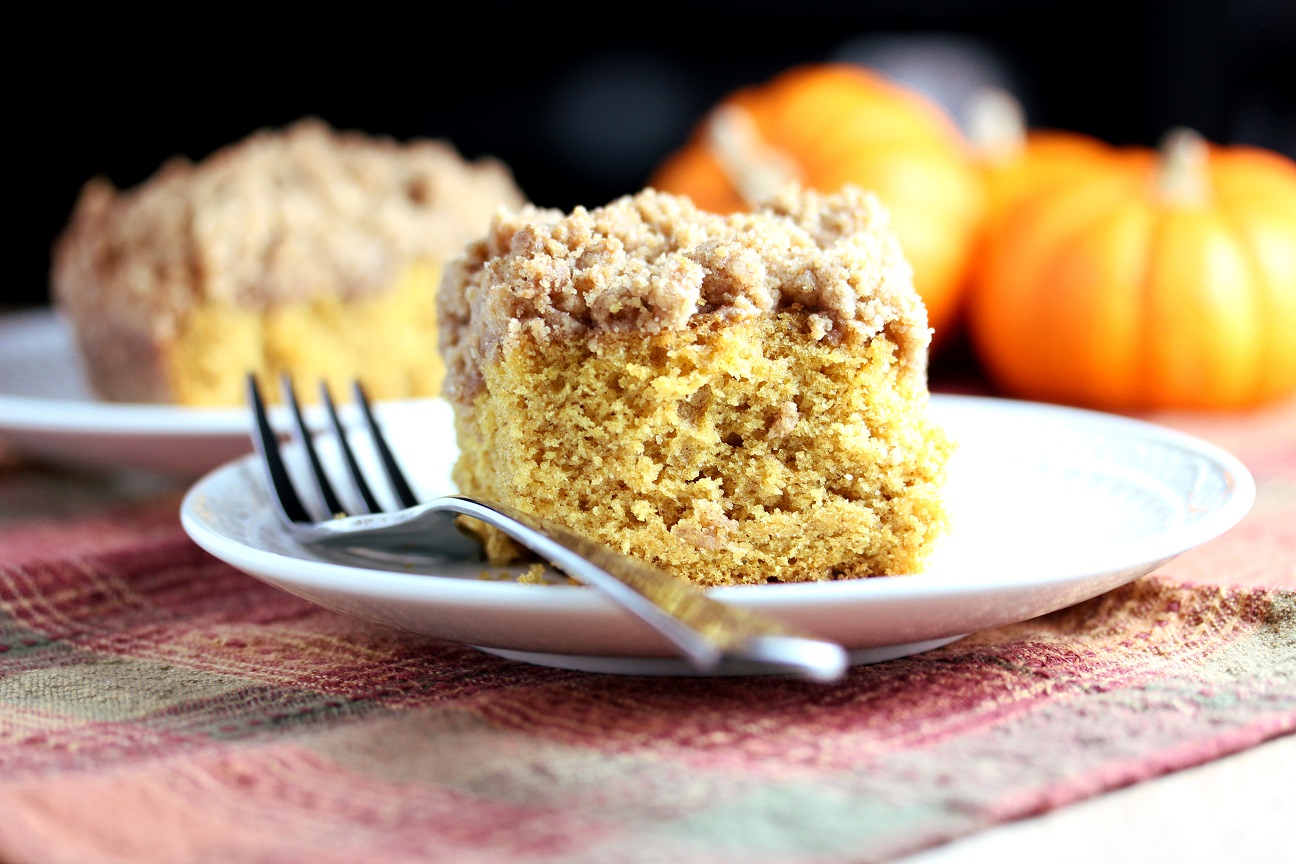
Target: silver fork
column 713, row 636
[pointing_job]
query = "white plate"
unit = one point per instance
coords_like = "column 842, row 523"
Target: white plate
column 1050, row 506
column 47, row 411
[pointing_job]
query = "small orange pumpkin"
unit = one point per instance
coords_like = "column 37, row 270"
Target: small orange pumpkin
column 1146, row 280
column 826, row 125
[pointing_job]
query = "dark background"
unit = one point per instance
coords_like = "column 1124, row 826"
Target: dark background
column 582, row 102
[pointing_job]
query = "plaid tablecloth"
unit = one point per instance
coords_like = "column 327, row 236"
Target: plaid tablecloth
column 157, row 705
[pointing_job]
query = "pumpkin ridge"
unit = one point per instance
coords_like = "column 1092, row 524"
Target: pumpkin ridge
column 1257, row 188
column 1268, row 318
column 1145, row 388
column 1109, row 377
column 1054, row 311
column 1205, row 308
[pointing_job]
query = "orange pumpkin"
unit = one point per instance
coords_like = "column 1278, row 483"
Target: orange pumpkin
column 1146, row 280
column 826, row 125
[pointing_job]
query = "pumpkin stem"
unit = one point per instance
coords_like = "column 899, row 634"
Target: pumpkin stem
column 756, row 169
column 996, row 125
column 1181, row 177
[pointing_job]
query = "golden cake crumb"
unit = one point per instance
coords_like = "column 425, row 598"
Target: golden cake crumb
column 304, row 250
column 737, row 399
column 534, row 575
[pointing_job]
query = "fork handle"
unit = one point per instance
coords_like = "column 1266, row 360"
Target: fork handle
column 712, row 635
column 708, row 632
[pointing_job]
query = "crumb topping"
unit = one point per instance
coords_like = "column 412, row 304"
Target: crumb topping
column 281, row 216
column 653, row 262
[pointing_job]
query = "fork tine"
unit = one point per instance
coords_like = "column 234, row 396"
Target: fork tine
column 353, row 467
column 322, row 483
column 267, row 445
column 400, row 486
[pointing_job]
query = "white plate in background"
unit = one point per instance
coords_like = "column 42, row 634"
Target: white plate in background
column 48, row 412
column 1049, row 505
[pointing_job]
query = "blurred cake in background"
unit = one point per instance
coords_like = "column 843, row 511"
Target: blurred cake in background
column 302, row 250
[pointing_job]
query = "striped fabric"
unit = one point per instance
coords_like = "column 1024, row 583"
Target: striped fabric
column 158, row 706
